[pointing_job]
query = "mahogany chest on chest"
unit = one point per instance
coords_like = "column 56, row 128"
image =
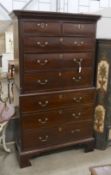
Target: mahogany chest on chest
column 55, row 66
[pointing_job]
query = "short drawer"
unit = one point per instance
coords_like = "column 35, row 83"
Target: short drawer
column 68, row 133
column 78, row 43
column 79, row 29
column 45, row 101
column 63, row 79
column 41, row 62
column 58, row 116
column 61, row 44
column 41, row 28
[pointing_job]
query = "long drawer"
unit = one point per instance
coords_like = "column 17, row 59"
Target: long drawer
column 63, row 79
column 57, row 61
column 62, row 134
column 45, row 101
column 57, row 44
column 58, row 116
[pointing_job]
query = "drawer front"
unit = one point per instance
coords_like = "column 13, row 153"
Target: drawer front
column 47, row 101
column 53, row 44
column 41, row 62
column 42, row 28
column 78, row 44
column 61, row 80
column 41, row 44
column 56, row 117
column 79, row 78
column 79, row 29
column 57, row 135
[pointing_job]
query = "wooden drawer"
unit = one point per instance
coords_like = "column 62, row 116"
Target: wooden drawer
column 58, row 80
column 59, row 116
column 79, row 29
column 58, row 135
column 78, row 44
column 45, row 101
column 60, row 44
column 56, row 61
column 41, row 28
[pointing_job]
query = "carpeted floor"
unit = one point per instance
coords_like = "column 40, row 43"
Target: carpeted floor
column 71, row 162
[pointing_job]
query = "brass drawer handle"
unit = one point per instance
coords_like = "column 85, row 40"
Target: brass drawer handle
column 76, row 116
column 43, row 139
column 61, row 56
column 61, row 39
column 60, row 111
column 42, row 63
column 77, row 99
column 81, row 43
column 77, row 79
column 43, row 121
column 43, row 104
column 60, row 129
column 42, row 82
column 75, row 131
column 42, row 44
column 78, row 43
column 79, row 62
column 42, row 25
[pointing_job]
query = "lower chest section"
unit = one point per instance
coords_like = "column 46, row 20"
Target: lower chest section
column 60, row 119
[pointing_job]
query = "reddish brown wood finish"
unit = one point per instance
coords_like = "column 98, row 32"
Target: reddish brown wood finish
column 46, row 62
column 61, row 79
column 42, row 27
column 40, row 138
column 79, row 28
column 54, row 55
column 47, row 101
column 58, row 116
column 57, row 44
